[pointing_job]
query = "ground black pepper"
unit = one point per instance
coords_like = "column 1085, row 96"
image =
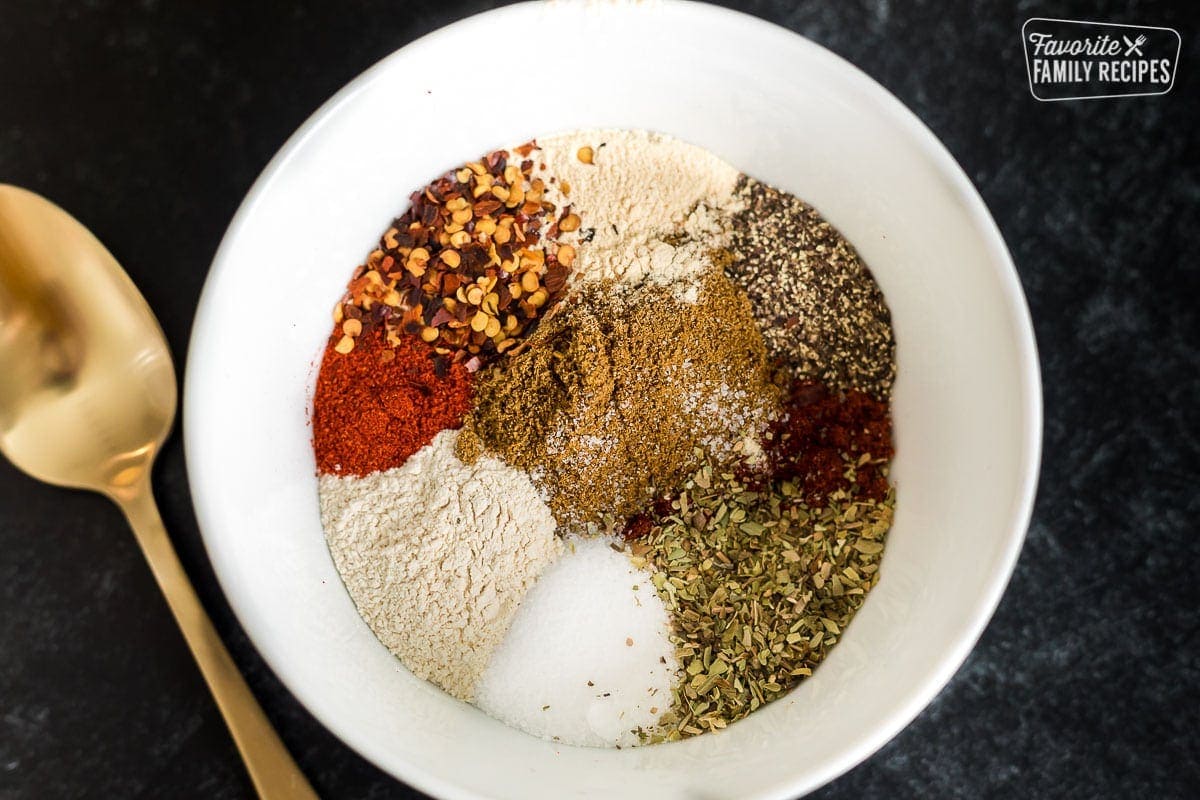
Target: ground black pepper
column 820, row 311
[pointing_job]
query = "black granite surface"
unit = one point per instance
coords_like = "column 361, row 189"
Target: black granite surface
column 149, row 121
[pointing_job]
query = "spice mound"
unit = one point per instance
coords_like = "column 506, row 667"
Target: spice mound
column 653, row 207
column 378, row 404
column 616, row 391
column 605, row 664
column 820, row 310
column 468, row 268
column 439, row 573
column 603, row 437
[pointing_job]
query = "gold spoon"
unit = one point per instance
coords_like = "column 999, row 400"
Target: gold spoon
column 87, row 396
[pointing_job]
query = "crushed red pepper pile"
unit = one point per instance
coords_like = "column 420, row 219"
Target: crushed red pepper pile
column 469, row 267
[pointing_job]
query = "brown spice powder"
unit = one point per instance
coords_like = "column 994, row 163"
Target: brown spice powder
column 618, row 389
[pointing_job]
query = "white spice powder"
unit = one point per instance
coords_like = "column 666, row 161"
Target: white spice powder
column 652, row 206
column 588, row 658
column 437, row 555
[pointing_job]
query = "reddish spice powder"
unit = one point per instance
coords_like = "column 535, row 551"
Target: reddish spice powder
column 820, row 434
column 637, row 526
column 378, row 404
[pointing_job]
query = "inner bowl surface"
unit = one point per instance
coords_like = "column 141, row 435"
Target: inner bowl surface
column 966, row 406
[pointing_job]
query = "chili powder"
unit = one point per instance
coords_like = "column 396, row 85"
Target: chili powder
column 378, row 404
column 821, row 434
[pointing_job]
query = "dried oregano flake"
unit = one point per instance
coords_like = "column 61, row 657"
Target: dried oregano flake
column 759, row 585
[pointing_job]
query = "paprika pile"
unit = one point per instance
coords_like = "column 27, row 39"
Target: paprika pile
column 378, row 404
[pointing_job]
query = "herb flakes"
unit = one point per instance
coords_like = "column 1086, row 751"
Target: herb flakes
column 760, row 587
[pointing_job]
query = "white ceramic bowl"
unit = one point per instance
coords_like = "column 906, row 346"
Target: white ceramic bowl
column 967, row 400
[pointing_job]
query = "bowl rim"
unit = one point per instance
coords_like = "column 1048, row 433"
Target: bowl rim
column 1028, row 369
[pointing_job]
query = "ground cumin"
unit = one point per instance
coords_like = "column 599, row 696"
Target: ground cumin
column 618, row 392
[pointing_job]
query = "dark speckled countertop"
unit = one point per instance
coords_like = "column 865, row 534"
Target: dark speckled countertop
column 149, row 121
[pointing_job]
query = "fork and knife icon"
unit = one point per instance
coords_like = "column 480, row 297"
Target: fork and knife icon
column 1134, row 47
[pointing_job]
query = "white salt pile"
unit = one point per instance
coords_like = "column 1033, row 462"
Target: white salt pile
column 438, row 554
column 587, row 660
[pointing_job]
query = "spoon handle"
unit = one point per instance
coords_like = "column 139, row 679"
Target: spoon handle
column 272, row 770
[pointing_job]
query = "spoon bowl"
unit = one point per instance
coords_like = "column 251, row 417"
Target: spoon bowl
column 87, row 399
column 91, row 390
